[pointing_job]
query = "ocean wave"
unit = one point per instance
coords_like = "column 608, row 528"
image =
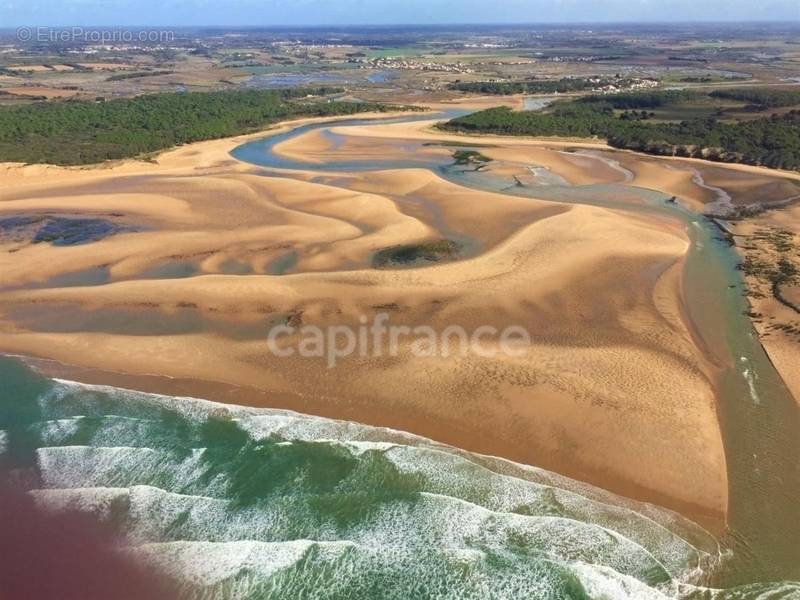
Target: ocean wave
column 366, row 465
column 493, row 483
column 266, row 570
column 105, row 504
column 213, row 563
column 237, row 502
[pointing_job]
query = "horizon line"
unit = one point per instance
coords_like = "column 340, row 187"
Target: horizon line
column 776, row 21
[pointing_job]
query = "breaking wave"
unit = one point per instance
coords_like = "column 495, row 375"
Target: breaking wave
column 235, row 502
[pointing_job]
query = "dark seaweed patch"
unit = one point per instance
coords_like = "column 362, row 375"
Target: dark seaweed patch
column 71, row 232
column 407, row 255
column 59, row 231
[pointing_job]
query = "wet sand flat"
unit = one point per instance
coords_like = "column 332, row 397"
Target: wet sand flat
column 777, row 323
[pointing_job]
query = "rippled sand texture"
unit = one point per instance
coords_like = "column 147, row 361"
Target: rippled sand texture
column 614, row 389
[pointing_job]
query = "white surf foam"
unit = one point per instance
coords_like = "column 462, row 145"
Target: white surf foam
column 751, row 377
column 207, row 564
column 568, row 520
column 97, row 501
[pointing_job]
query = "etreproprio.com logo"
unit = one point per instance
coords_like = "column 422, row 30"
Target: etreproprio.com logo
column 101, row 36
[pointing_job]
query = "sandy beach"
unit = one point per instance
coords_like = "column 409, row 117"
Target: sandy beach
column 593, row 397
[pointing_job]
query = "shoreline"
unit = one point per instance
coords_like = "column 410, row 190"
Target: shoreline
column 153, row 160
column 169, row 158
column 439, row 428
column 253, row 397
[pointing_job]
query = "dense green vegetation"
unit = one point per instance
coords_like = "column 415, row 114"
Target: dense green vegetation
column 414, row 254
column 632, row 100
column 761, row 98
column 534, row 86
column 78, row 132
column 772, row 141
column 470, row 157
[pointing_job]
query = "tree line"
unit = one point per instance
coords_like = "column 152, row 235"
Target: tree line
column 760, row 98
column 82, row 132
column 634, row 100
column 772, row 141
column 535, row 86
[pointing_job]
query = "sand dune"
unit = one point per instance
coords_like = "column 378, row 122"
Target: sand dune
column 593, row 396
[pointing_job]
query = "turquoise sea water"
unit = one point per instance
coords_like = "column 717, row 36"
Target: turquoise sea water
column 235, row 502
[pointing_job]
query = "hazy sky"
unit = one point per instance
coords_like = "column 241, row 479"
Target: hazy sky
column 14, row 13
